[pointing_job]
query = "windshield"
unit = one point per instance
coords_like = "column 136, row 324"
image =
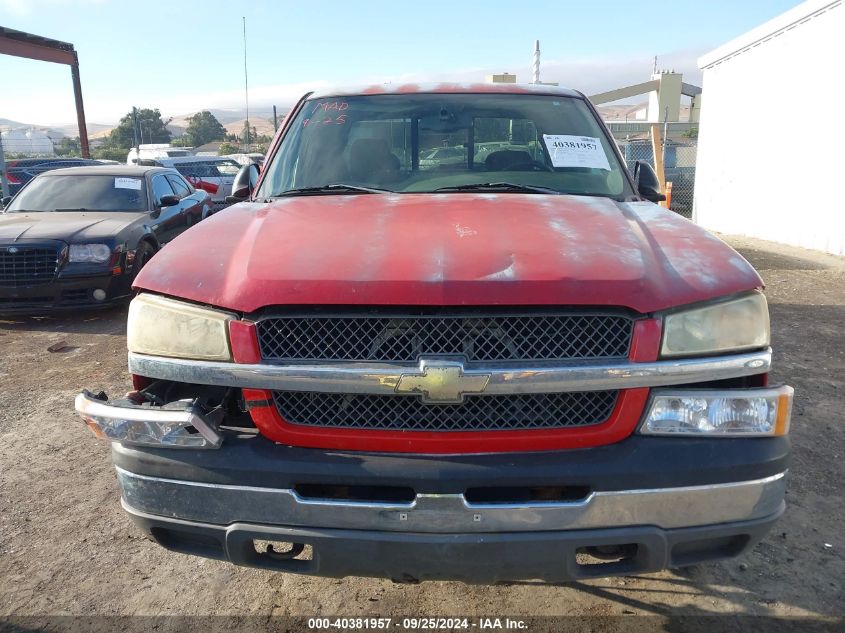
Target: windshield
column 433, row 142
column 74, row 193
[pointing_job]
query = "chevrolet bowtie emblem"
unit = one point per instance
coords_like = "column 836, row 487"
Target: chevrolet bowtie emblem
column 442, row 382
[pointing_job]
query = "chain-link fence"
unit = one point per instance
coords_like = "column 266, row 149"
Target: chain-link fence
column 678, row 164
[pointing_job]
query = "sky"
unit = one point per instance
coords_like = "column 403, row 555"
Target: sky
column 185, row 55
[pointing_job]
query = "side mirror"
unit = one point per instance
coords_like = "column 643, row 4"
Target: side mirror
column 648, row 186
column 169, row 201
column 5, row 201
column 244, row 183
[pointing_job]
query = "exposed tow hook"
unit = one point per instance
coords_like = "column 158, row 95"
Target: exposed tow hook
column 295, row 550
column 613, row 552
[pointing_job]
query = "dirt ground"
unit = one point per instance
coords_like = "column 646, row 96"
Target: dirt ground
column 67, row 548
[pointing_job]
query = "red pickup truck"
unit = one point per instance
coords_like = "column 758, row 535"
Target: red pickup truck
column 507, row 366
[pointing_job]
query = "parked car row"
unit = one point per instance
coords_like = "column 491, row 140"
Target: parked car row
column 79, row 236
column 211, row 174
column 157, row 151
column 76, row 231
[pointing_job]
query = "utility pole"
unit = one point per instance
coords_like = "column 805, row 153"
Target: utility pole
column 246, row 91
column 80, row 111
column 135, row 126
column 4, row 178
column 275, row 121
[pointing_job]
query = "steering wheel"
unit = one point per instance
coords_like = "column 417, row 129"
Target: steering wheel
column 533, row 165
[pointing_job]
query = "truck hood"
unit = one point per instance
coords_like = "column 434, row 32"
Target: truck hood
column 67, row 226
column 447, row 249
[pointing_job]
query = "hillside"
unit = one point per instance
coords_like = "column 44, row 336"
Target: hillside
column 262, row 120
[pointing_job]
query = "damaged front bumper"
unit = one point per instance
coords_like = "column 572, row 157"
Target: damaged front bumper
column 647, row 502
column 643, row 504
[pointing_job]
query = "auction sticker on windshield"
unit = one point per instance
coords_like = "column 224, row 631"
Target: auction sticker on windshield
column 567, row 150
column 127, row 183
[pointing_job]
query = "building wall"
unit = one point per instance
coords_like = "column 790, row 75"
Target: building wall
column 771, row 155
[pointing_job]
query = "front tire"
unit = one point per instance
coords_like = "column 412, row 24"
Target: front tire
column 143, row 254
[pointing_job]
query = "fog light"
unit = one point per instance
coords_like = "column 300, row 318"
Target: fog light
column 100, row 294
column 146, row 426
column 719, row 413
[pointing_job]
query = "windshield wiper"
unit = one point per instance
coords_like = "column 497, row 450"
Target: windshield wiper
column 71, row 209
column 332, row 188
column 498, row 186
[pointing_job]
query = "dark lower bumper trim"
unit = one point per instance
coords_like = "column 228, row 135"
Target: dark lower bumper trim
column 554, row 556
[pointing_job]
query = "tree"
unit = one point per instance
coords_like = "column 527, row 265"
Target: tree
column 228, row 148
column 248, row 133
column 691, row 133
column 68, row 147
column 151, row 129
column 203, row 127
column 109, row 153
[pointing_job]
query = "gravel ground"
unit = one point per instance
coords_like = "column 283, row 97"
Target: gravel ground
column 66, row 548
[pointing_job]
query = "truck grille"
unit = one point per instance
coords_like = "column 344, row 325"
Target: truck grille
column 476, row 338
column 476, row 413
column 27, row 265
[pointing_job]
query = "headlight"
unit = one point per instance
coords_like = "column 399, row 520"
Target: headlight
column 148, row 426
column 166, row 327
column 722, row 413
column 728, row 326
column 96, row 253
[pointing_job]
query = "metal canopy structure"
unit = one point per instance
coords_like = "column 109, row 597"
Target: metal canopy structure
column 20, row 44
column 664, row 89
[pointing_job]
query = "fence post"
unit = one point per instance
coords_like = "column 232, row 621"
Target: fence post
column 657, row 152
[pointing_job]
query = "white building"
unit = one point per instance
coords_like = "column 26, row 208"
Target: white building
column 771, row 155
column 27, row 142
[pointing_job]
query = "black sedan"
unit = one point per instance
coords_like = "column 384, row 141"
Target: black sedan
column 79, row 236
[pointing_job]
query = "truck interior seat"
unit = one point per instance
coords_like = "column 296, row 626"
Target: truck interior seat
column 508, row 159
column 370, row 160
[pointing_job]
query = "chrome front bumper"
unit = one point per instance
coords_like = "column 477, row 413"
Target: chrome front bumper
column 383, row 378
column 665, row 508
